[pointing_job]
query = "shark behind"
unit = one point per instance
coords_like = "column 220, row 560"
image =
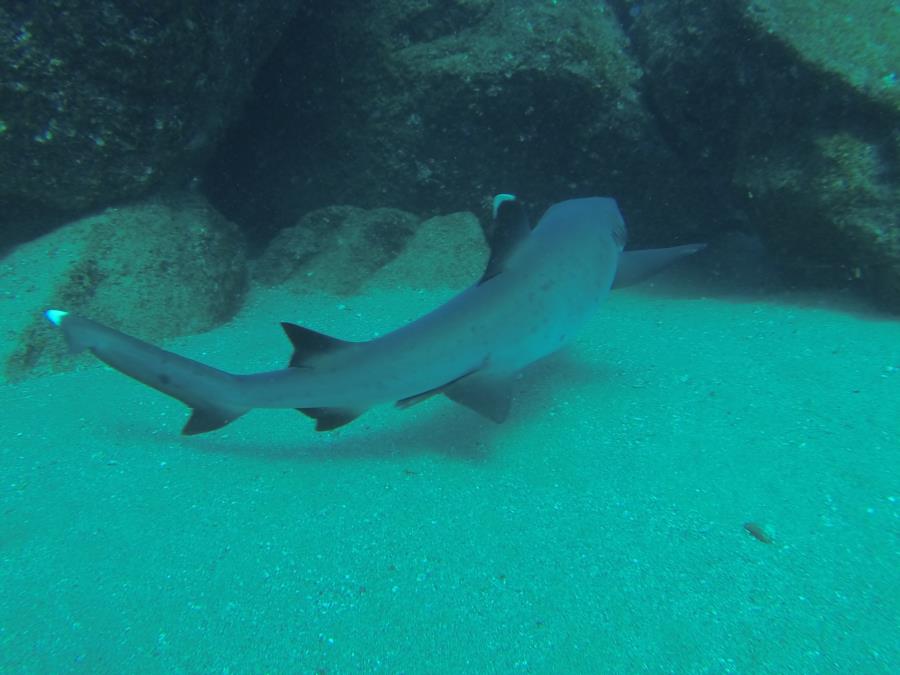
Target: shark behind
column 539, row 288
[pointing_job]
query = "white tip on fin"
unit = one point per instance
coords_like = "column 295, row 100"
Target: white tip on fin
column 499, row 199
column 55, row 316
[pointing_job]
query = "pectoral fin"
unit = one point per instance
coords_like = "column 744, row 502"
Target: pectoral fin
column 490, row 397
column 635, row 266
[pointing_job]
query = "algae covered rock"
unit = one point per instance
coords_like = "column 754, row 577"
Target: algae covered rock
column 445, row 252
column 792, row 107
column 823, row 173
column 777, row 117
column 828, row 204
column 335, row 249
column 156, row 269
column 857, row 41
column 99, row 101
column 433, row 107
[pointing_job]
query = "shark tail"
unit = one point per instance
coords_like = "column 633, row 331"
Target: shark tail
column 211, row 394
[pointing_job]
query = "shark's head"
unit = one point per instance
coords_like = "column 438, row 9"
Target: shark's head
column 589, row 213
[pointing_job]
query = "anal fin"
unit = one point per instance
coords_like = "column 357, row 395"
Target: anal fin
column 209, row 419
column 328, row 419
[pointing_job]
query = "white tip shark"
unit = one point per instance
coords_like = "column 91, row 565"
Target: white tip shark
column 539, row 287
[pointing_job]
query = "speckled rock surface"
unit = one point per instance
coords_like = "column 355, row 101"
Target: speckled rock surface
column 445, row 252
column 824, row 175
column 794, row 107
column 334, row 249
column 100, row 101
column 156, row 269
column 858, row 41
column 777, row 117
column 828, row 205
column 435, row 106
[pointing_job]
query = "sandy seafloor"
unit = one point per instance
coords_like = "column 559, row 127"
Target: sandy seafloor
column 600, row 529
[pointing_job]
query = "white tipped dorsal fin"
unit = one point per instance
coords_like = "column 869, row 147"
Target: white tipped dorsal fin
column 510, row 228
column 498, row 200
column 55, row 316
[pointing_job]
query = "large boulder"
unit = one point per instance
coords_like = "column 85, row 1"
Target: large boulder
column 101, row 100
column 341, row 249
column 334, row 249
column 794, row 105
column 435, row 106
column 157, row 269
column 777, row 116
column 774, row 116
column 446, row 252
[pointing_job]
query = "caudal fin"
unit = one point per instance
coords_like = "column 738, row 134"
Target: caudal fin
column 211, row 394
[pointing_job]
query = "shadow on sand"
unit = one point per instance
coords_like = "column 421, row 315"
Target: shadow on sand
column 438, row 427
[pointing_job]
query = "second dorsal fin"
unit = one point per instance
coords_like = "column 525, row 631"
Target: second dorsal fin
column 308, row 344
column 509, row 228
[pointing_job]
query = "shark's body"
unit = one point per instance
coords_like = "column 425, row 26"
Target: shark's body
column 540, row 286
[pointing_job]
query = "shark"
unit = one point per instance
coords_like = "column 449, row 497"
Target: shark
column 540, row 286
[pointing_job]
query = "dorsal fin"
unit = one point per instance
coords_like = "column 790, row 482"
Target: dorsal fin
column 309, row 344
column 509, row 228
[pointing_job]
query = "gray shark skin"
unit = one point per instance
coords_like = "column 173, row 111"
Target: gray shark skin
column 539, row 287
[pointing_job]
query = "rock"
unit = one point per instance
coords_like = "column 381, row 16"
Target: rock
column 791, row 106
column 155, row 269
column 334, row 249
column 778, row 117
column 856, row 42
column 100, row 101
column 828, row 205
column 445, row 252
column 465, row 99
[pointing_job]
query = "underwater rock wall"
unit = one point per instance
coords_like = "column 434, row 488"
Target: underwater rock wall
column 102, row 101
column 774, row 117
column 795, row 107
column 434, row 107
